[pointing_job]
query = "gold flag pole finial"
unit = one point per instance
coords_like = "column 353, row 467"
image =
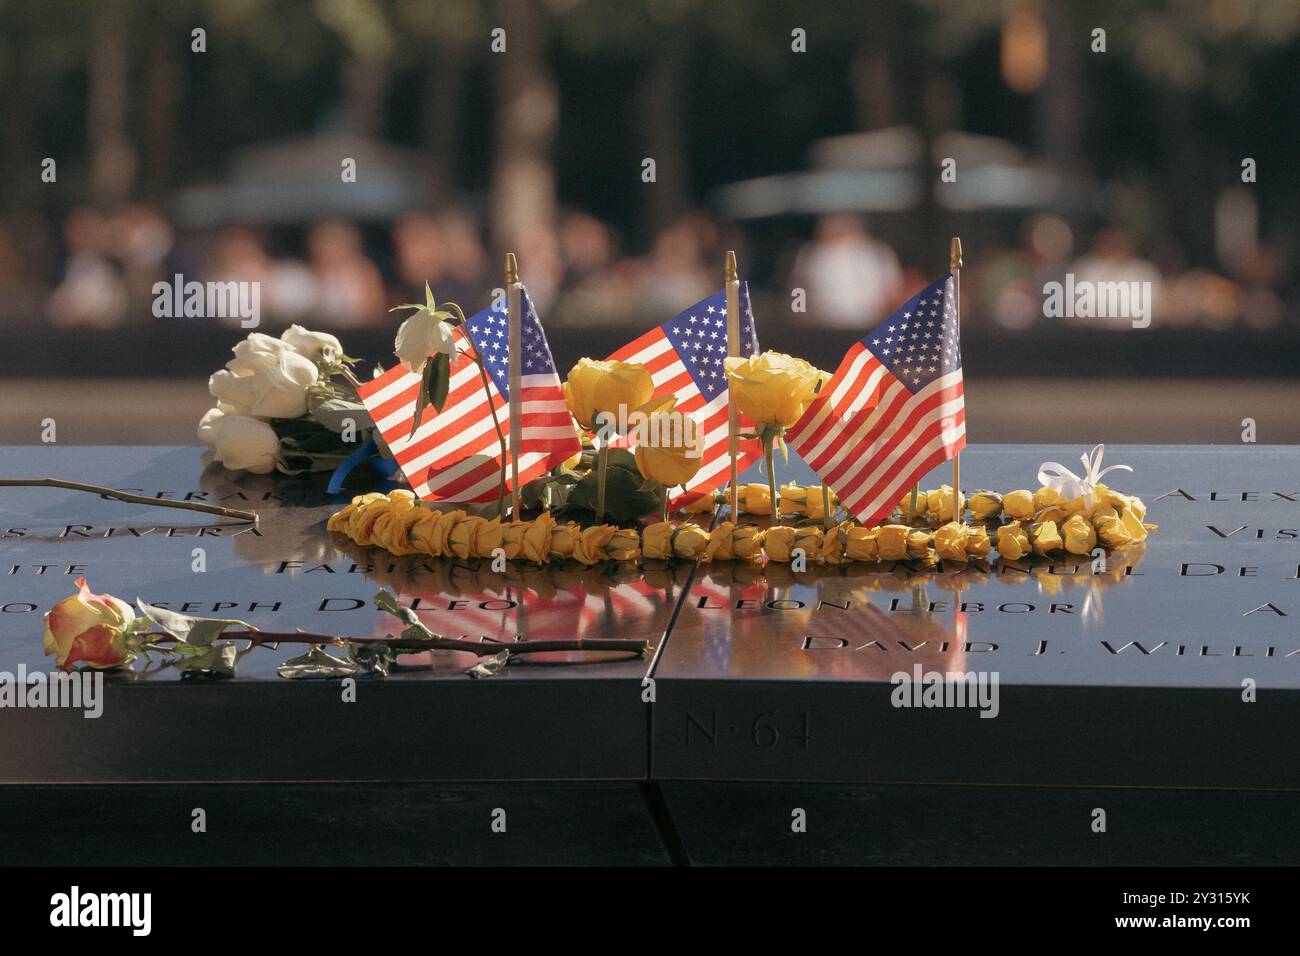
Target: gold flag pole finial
column 954, row 253
column 512, row 268
column 731, row 274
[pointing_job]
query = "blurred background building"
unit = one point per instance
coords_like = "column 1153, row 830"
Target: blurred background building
column 1166, row 158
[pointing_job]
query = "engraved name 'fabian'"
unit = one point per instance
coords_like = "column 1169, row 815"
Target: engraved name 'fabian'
column 75, row 908
column 946, row 689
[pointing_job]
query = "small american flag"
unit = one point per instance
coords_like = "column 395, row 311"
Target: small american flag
column 685, row 357
column 893, row 409
column 455, row 454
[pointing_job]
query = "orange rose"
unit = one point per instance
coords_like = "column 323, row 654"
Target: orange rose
column 88, row 627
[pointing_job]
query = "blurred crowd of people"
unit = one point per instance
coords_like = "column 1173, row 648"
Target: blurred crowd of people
column 101, row 270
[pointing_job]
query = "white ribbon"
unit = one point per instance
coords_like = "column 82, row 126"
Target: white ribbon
column 1052, row 474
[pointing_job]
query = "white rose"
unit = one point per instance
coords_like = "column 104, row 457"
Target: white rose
column 277, row 389
column 208, row 426
column 310, row 344
column 421, row 336
column 239, row 442
column 257, row 351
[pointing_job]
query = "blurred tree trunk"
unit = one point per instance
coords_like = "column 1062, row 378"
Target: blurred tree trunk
column 112, row 155
column 440, row 129
column 873, row 89
column 659, row 104
column 165, row 88
column 1060, row 100
column 365, row 95
column 527, row 113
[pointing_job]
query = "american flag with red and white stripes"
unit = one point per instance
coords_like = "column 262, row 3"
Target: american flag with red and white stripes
column 685, row 357
column 894, row 408
column 455, row 454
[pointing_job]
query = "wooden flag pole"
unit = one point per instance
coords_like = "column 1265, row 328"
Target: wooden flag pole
column 955, row 264
column 514, row 316
column 732, row 280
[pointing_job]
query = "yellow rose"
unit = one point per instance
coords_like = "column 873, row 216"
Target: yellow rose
column 1047, row 498
column 1013, row 543
column 393, row 531
column 1133, row 524
column 363, row 519
column 950, row 542
column 1018, row 505
column 88, row 627
column 778, row 542
column 755, row 499
column 1046, row 537
column 747, row 542
column 891, row 542
column 389, row 529
column 440, row 535
column 590, row 546
column 490, row 537
column 564, row 538
column 338, row 521
column 667, row 457
column 809, row 539
column 625, row 545
column 656, row 541
column 984, row 505
column 918, row 543
column 978, row 544
column 1079, row 536
column 720, row 542
column 690, row 541
column 806, row 501
column 421, row 532
column 535, row 546
column 861, row 543
column 833, row 545
column 1112, row 533
column 595, row 387
column 772, row 388
column 512, row 539
column 464, row 535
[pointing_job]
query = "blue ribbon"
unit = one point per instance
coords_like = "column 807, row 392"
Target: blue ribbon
column 385, row 466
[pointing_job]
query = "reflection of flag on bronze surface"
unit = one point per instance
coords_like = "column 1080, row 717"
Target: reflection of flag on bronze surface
column 455, row 454
column 893, row 409
column 685, row 357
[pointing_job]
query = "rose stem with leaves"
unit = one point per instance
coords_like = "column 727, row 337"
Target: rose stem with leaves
column 602, row 466
column 480, row 648
column 769, row 442
column 124, row 496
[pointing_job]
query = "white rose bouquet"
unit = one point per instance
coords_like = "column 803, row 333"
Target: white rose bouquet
column 288, row 404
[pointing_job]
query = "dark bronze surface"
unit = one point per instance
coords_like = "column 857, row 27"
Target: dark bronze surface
column 547, row 719
column 766, row 674
column 1128, row 675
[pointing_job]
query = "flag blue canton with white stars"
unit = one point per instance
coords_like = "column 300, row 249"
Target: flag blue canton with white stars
column 700, row 337
column 921, row 340
column 489, row 331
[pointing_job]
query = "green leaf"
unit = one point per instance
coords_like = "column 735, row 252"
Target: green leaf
column 316, row 663
column 218, row 660
column 491, row 667
column 198, row 631
column 437, row 377
column 625, row 500
column 428, row 297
